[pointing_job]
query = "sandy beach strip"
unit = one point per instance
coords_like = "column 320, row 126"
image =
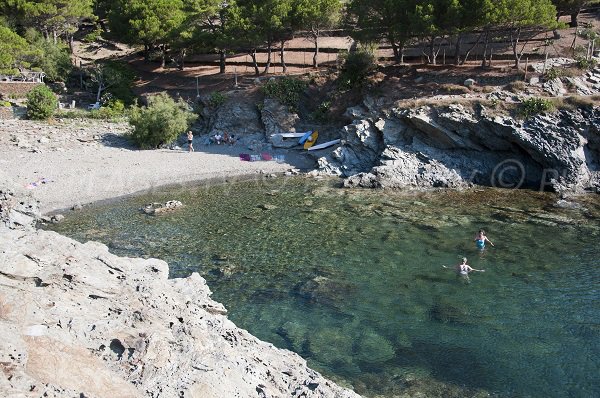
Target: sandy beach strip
column 67, row 166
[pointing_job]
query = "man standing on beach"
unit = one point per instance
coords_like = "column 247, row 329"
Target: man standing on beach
column 190, row 137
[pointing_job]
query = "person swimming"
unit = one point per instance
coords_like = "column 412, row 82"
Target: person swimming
column 463, row 269
column 480, row 239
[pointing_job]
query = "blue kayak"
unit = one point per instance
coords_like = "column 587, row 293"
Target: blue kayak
column 303, row 139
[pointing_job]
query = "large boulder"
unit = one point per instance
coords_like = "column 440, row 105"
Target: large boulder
column 277, row 118
column 235, row 117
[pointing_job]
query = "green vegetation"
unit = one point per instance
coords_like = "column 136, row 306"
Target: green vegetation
column 114, row 78
column 93, row 36
column 5, row 103
column 161, row 122
column 553, row 73
column 41, row 103
column 586, row 63
column 216, row 99
column 12, row 49
column 287, row 90
column 356, row 66
column 533, row 106
column 322, row 112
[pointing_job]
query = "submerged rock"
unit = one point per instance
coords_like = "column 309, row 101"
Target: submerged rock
column 374, row 348
column 160, row 208
column 324, row 291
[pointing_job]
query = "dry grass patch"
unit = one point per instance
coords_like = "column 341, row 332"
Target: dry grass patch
column 576, row 102
column 516, row 87
column 450, row 88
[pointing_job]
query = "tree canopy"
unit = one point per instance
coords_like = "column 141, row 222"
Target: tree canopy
column 173, row 28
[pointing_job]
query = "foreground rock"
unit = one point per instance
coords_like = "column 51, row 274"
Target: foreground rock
column 455, row 146
column 76, row 320
column 17, row 209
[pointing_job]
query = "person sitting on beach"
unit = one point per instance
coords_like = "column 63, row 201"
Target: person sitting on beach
column 463, row 269
column 228, row 139
column 480, row 239
column 217, row 139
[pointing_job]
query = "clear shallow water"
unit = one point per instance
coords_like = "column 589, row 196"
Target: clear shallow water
column 352, row 280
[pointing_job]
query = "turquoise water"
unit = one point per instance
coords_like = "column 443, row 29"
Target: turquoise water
column 352, row 280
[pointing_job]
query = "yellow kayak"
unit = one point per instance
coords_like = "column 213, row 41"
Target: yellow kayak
column 310, row 141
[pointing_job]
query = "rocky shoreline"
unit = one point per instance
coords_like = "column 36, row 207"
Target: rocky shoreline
column 76, row 320
column 458, row 146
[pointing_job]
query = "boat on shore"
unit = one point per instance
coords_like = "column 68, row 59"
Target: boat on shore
column 324, row 145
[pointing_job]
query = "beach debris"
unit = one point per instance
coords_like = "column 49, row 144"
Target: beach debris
column 264, row 156
column 159, row 208
column 37, row 183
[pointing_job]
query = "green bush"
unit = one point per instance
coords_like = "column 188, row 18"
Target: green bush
column 533, row 106
column 287, row 90
column 357, row 66
column 161, row 122
column 119, row 78
column 322, row 111
column 41, row 103
column 584, row 63
column 93, row 36
column 553, row 73
column 216, row 99
column 5, row 103
column 51, row 58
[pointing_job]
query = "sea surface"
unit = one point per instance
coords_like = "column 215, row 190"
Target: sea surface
column 352, row 280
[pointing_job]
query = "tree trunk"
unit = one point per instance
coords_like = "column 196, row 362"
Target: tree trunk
column 514, row 39
column 253, row 56
column 268, row 65
column 146, row 53
column 281, row 55
column 485, row 49
column 395, row 49
column 316, row 54
column 163, row 61
column 472, row 47
column 222, row 61
column 182, row 59
column 458, row 49
column 432, row 55
column 574, row 16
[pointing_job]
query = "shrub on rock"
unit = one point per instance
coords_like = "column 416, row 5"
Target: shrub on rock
column 41, row 103
column 161, row 122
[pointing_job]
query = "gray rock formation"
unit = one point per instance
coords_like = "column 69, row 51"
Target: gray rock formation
column 17, row 209
column 76, row 320
column 234, row 117
column 277, row 118
column 453, row 146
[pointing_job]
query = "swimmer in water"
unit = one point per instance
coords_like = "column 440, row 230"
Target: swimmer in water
column 480, row 239
column 463, row 269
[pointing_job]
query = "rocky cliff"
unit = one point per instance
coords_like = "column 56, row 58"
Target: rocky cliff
column 456, row 146
column 76, row 320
